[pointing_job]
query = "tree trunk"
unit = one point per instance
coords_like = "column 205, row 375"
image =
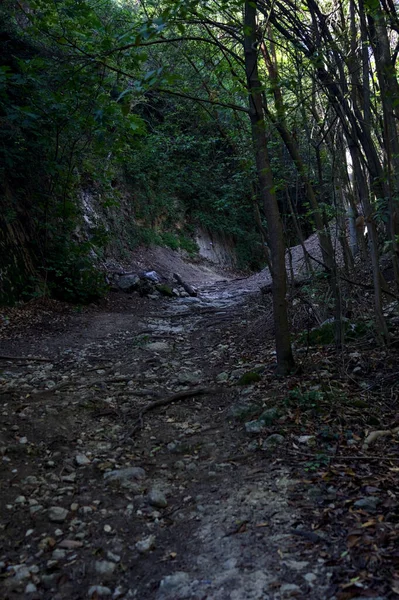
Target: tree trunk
column 285, row 360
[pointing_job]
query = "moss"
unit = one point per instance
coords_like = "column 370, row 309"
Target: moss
column 165, row 290
column 249, row 378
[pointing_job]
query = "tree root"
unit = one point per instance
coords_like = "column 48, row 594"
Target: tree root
column 168, row 400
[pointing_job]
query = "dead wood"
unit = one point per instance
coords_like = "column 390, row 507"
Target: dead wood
column 184, row 395
column 188, row 288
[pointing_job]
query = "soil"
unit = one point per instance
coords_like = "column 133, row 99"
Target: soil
column 207, row 510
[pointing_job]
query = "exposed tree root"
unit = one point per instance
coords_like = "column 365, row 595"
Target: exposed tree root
column 184, row 395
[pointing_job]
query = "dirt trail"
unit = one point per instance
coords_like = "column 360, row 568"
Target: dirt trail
column 182, row 502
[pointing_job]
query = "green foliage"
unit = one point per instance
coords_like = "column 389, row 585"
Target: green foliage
column 306, row 400
column 165, row 290
column 249, row 378
column 324, row 335
column 171, row 240
column 71, row 276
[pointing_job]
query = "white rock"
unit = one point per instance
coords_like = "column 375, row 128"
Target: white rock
column 157, row 346
column 114, row 557
column 173, row 581
column 100, row 590
column 129, row 473
column 157, row 498
column 146, row 544
column 310, row 578
column 82, row 460
column 105, row 568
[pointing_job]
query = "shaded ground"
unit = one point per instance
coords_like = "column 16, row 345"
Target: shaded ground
column 208, row 508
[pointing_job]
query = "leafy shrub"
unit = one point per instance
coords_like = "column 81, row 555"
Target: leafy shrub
column 296, row 398
column 72, row 276
column 170, row 240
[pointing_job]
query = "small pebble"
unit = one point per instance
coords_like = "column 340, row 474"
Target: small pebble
column 146, row 544
column 99, row 590
column 82, row 460
column 105, row 568
column 57, row 514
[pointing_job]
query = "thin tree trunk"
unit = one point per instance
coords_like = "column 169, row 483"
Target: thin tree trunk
column 285, row 360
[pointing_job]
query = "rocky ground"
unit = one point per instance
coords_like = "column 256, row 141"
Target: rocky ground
column 148, row 451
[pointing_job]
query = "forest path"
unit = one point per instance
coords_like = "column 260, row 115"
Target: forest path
column 183, row 502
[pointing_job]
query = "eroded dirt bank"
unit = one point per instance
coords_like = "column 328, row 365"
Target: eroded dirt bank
column 102, row 499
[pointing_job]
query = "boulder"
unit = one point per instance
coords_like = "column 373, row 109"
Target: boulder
column 128, row 283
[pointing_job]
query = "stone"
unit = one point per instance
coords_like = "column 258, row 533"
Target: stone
column 287, row 590
column 273, row 441
column 99, row 590
column 152, row 276
column 57, row 514
column 70, row 544
column 135, row 473
column 146, row 544
column 254, row 426
column 128, row 283
column 222, row 377
column 157, row 346
column 113, row 557
column 105, row 568
column 368, row 504
column 242, row 410
column 191, row 467
column 157, row 498
column 171, row 582
column 191, row 378
column 30, row 588
column 82, row 460
column 310, row 440
column 310, row 578
column 297, row 565
column 35, row 508
column 21, row 572
column 269, row 416
column 31, row 480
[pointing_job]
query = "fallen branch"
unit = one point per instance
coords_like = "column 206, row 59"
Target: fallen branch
column 189, row 288
column 180, row 396
column 374, row 435
column 168, row 400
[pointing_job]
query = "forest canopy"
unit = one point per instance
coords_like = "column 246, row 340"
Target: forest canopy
column 263, row 121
